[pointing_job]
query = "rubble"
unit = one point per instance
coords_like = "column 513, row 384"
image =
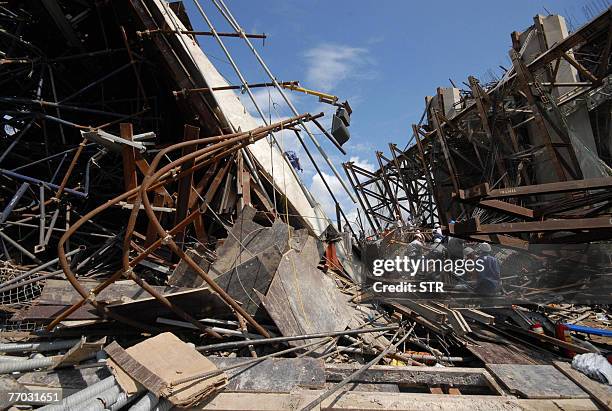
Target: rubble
column 160, row 250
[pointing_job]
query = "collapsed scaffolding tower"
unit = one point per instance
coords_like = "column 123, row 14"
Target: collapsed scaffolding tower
column 523, row 159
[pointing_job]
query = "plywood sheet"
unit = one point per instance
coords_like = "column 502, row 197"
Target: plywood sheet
column 536, row 381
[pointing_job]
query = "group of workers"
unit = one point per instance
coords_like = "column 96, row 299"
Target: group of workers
column 486, row 280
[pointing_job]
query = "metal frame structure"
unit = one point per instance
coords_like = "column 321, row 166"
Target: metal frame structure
column 507, row 161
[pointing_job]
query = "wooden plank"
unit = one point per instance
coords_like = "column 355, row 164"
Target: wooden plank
column 135, row 369
column 199, row 302
column 507, row 208
column 273, row 374
column 424, row 310
column 552, row 340
column 493, row 353
column 536, row 381
column 253, row 274
column 477, row 315
column 302, row 299
column 595, row 223
column 61, row 292
column 83, row 350
column 45, row 313
column 480, row 190
column 185, row 181
column 129, row 158
column 601, row 393
column 552, row 188
column 411, row 375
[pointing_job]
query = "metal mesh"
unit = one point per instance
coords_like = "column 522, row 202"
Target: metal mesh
column 16, row 299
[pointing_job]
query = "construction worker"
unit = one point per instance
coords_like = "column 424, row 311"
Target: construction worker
column 488, row 280
column 418, row 239
column 437, row 232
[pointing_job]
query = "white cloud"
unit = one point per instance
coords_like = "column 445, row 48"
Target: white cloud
column 322, row 196
column 363, row 163
column 329, row 64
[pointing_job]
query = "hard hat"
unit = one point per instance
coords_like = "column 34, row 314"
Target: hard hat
column 484, row 247
column 436, row 225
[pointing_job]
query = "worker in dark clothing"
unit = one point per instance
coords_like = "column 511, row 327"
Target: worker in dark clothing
column 294, row 160
column 489, row 280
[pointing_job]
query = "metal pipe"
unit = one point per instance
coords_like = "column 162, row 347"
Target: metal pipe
column 39, row 346
column 41, row 229
column 83, row 395
column 51, row 226
column 8, row 367
column 19, row 247
column 145, row 403
column 13, row 202
column 15, row 141
column 122, row 401
column 37, row 181
column 75, row 158
column 101, row 401
column 273, row 340
column 51, row 157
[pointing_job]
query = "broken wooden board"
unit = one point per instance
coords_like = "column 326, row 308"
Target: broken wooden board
column 494, row 353
column 81, row 351
column 302, row 299
column 61, row 292
column 185, row 276
column 199, row 302
column 536, row 381
column 241, row 245
column 273, row 374
column 45, row 313
column 601, row 393
column 253, row 274
column 158, row 362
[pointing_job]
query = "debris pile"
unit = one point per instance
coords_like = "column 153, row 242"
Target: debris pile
column 159, row 249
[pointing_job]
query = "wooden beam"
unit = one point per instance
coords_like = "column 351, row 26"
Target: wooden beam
column 581, row 69
column 184, row 184
column 546, row 188
column 507, row 208
column 129, row 158
column 596, row 223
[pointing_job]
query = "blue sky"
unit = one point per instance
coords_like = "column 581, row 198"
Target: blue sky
column 383, row 56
